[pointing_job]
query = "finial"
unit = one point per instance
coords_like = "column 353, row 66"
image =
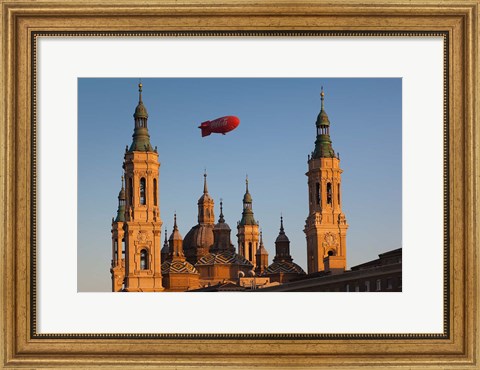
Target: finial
column 322, row 95
column 123, row 187
column 281, row 222
column 261, row 237
column 205, row 189
column 166, row 240
column 246, row 182
column 221, row 219
column 140, row 90
column 175, row 221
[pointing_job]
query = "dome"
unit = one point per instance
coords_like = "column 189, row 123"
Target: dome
column 285, row 267
column 261, row 248
column 175, row 235
column 322, row 119
column 282, row 238
column 178, row 267
column 140, row 111
column 199, row 236
column 121, row 194
column 165, row 249
column 224, row 258
column 205, row 197
column 247, row 198
column 222, row 226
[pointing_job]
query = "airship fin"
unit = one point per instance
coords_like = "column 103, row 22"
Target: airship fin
column 205, row 130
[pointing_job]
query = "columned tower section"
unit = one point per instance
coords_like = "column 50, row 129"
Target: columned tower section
column 326, row 226
column 247, row 230
column 118, row 245
column 142, row 213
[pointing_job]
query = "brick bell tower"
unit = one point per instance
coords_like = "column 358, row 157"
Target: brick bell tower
column 142, row 226
column 326, row 225
column 247, row 230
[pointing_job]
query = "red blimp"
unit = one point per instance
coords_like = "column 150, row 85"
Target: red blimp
column 220, row 125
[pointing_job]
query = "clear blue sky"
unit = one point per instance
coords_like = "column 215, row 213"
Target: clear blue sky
column 271, row 144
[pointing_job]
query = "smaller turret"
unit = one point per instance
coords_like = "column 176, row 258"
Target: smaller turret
column 261, row 257
column 176, row 242
column 141, row 138
column 323, row 143
column 121, row 204
column 247, row 214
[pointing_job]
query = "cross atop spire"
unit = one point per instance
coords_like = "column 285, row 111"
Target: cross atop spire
column 221, row 219
column 322, row 97
column 205, row 189
column 140, row 91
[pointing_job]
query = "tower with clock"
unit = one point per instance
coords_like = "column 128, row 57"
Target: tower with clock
column 326, row 225
column 141, row 220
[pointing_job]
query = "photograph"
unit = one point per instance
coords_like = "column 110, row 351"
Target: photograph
column 239, row 184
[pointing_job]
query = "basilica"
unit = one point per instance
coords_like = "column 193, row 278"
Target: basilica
column 206, row 259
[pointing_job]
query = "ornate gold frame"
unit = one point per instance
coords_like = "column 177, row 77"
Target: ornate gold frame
column 22, row 19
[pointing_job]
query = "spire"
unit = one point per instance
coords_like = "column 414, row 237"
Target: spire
column 165, row 251
column 121, row 205
column 175, row 235
column 141, row 138
column 221, row 219
column 282, row 245
column 261, row 248
column 322, row 97
column 221, row 235
column 323, row 143
column 176, row 241
column 205, row 189
column 205, row 205
column 140, row 111
column 121, row 195
column 247, row 214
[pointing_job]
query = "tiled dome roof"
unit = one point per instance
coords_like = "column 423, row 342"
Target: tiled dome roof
column 178, row 267
column 224, row 258
column 285, row 267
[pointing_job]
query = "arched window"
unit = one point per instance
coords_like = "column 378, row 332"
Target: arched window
column 329, row 193
column 123, row 248
column 318, row 197
column 250, row 251
column 143, row 260
column 155, row 192
column 143, row 199
column 338, row 193
column 130, row 191
column 115, row 251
